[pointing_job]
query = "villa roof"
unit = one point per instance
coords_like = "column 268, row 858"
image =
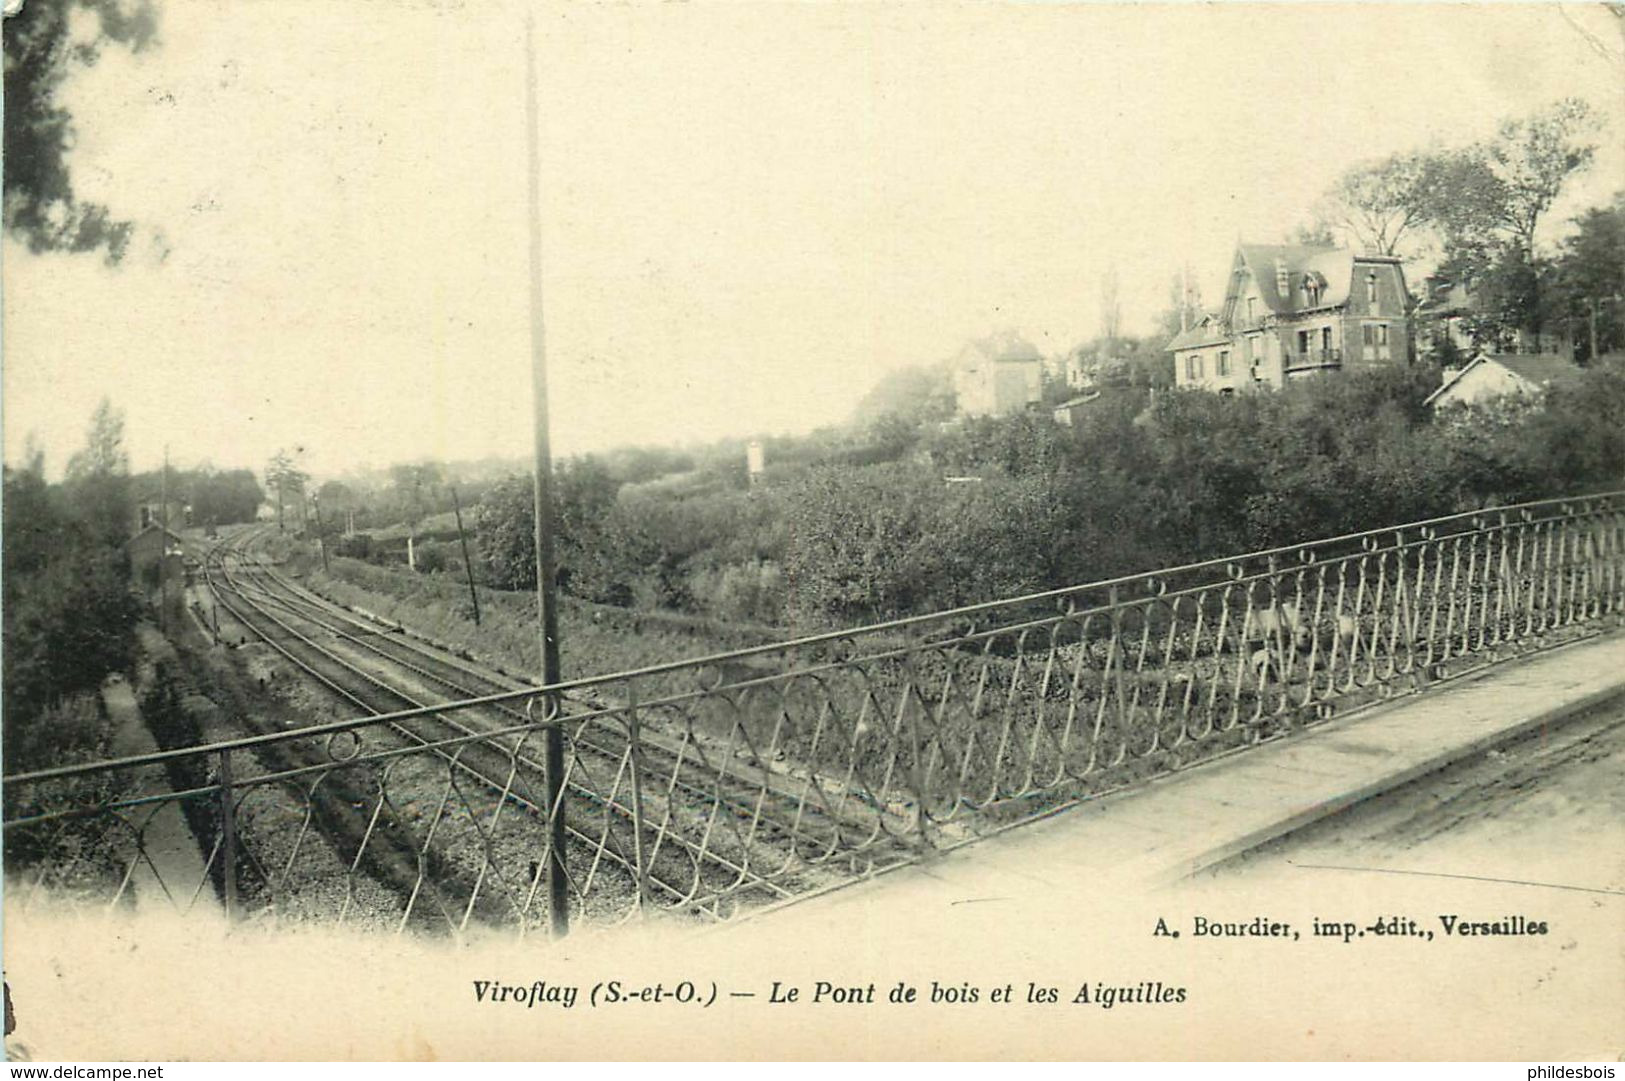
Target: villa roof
column 1536, row 369
column 1333, row 266
column 1004, row 346
column 1206, row 331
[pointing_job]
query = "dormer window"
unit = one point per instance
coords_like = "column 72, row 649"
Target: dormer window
column 1312, row 287
column 1371, row 290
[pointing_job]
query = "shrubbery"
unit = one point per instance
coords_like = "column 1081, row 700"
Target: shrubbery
column 1142, row 481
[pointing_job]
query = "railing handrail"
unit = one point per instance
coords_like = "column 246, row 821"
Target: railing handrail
column 1323, row 355
column 1524, row 510
column 153, row 758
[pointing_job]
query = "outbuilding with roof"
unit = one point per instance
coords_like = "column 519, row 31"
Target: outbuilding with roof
column 1494, row 375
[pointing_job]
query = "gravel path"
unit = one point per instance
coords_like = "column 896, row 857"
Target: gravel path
column 172, row 869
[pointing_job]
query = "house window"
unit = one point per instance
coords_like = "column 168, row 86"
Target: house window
column 1326, row 340
column 1252, row 305
column 1374, row 339
column 1303, row 341
column 1193, row 366
column 1371, row 290
column 1224, row 362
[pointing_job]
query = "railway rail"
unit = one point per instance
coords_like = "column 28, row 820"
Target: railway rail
column 771, row 804
column 688, row 873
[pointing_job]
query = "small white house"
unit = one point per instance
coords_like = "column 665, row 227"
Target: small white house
column 997, row 375
column 1491, row 375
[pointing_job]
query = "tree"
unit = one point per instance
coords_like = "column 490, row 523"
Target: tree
column 285, row 478
column 44, row 45
column 1506, row 293
column 412, row 492
column 69, row 614
column 1318, row 233
column 1020, row 444
column 1533, row 158
column 1590, row 277
column 339, row 500
column 232, row 496
column 33, row 454
column 505, row 531
column 104, row 451
column 98, row 477
column 583, row 492
column 892, row 415
column 1111, row 310
column 1487, row 203
column 1378, row 202
column 916, row 393
column 1184, row 305
column 584, row 495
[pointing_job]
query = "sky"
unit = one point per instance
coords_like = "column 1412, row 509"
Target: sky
column 750, row 211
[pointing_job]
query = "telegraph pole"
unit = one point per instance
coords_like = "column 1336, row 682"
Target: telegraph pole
column 321, row 534
column 546, row 599
column 1184, row 297
column 468, row 564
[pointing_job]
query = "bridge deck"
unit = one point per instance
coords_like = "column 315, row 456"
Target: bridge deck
column 1179, row 825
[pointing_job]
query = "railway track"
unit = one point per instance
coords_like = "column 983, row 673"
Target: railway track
column 697, row 840
column 770, row 804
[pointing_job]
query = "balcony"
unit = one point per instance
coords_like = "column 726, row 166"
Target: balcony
column 1313, row 359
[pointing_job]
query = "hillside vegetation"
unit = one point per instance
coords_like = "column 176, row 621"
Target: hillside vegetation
column 865, row 525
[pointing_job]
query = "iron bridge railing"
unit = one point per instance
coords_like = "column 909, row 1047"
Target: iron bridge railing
column 745, row 778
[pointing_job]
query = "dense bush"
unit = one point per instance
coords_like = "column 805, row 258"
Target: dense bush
column 1150, row 481
column 355, row 546
column 433, row 557
column 752, row 592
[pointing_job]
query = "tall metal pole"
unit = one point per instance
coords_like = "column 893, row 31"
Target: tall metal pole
column 546, row 601
column 468, row 564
